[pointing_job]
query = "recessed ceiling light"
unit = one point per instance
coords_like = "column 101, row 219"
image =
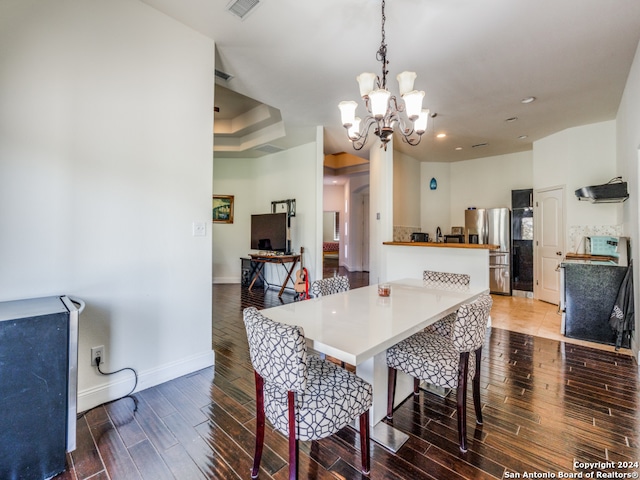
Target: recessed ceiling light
column 522, row 137
column 511, row 119
column 528, row 100
column 441, row 135
column 458, row 148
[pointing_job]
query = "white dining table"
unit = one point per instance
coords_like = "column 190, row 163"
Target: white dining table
column 358, row 326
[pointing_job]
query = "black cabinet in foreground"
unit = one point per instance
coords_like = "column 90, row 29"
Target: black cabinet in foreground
column 590, row 291
column 38, row 381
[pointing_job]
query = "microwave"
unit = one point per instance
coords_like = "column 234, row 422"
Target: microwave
column 454, row 239
column 419, row 237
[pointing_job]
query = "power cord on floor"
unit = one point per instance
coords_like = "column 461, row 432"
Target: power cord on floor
column 128, row 395
column 135, row 375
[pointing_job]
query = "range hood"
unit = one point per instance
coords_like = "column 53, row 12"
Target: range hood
column 615, row 191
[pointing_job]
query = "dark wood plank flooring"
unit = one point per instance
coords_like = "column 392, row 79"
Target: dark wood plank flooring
column 546, row 404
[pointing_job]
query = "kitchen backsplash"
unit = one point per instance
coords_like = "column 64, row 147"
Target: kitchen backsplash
column 578, row 232
column 403, row 234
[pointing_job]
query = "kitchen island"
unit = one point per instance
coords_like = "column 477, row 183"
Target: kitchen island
column 410, row 259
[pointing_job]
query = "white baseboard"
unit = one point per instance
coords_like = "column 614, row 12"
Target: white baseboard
column 123, row 382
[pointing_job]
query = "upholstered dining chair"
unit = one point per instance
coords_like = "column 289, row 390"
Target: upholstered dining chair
column 447, row 281
column 329, row 286
column 303, row 396
column 444, row 361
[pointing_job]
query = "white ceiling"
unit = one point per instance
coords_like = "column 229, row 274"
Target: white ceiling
column 475, row 60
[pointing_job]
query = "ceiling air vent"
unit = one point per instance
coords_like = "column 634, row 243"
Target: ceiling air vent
column 223, row 75
column 266, row 148
column 242, row 8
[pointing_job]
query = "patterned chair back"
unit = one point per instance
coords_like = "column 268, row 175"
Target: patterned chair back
column 470, row 326
column 278, row 351
column 329, row 286
column 445, row 280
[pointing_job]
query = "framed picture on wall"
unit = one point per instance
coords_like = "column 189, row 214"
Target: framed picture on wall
column 222, row 209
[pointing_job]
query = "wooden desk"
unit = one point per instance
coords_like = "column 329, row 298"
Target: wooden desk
column 358, row 326
column 262, row 260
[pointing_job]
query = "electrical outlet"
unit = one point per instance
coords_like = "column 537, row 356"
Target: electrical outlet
column 95, row 353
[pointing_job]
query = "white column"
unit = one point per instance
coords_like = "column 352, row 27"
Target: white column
column 381, row 207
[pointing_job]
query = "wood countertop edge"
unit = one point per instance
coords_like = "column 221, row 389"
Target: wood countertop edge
column 443, row 245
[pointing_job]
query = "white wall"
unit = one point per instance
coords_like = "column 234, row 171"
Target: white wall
column 333, row 198
column 380, row 207
column 255, row 183
column 333, row 201
column 481, row 183
column 578, row 157
column 105, row 163
column 406, row 190
column 356, row 236
column 628, row 160
column 487, row 182
column 436, row 204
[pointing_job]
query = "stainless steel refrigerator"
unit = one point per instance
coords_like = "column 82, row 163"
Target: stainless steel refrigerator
column 492, row 226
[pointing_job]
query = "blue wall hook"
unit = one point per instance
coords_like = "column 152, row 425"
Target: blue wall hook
column 433, row 184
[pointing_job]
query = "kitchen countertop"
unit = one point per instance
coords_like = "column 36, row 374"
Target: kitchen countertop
column 445, row 245
column 587, row 259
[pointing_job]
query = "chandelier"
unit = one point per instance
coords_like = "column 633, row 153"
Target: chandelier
column 383, row 109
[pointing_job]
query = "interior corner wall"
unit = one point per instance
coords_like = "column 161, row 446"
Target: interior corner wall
column 105, row 146
column 333, row 198
column 628, row 163
column 255, row 183
column 406, row 190
column 436, row 204
column 578, row 157
column 487, row 182
column 357, row 243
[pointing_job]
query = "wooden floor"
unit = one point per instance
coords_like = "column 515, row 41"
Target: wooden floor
column 546, row 405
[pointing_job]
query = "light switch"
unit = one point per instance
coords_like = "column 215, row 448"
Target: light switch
column 199, row 229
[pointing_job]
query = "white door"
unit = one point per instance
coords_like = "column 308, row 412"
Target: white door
column 549, row 243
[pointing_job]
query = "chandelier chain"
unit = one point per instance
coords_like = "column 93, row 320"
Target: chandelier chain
column 381, row 54
column 386, row 113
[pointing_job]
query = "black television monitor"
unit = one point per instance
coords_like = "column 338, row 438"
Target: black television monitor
column 269, row 232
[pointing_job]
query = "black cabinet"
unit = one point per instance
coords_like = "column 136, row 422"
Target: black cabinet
column 38, row 365
column 590, row 291
column 522, row 240
column 522, row 198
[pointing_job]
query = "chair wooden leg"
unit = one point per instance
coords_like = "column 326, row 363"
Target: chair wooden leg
column 476, row 388
column 364, row 443
column 416, row 386
column 293, row 438
column 391, row 392
column 259, row 425
column 463, row 371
